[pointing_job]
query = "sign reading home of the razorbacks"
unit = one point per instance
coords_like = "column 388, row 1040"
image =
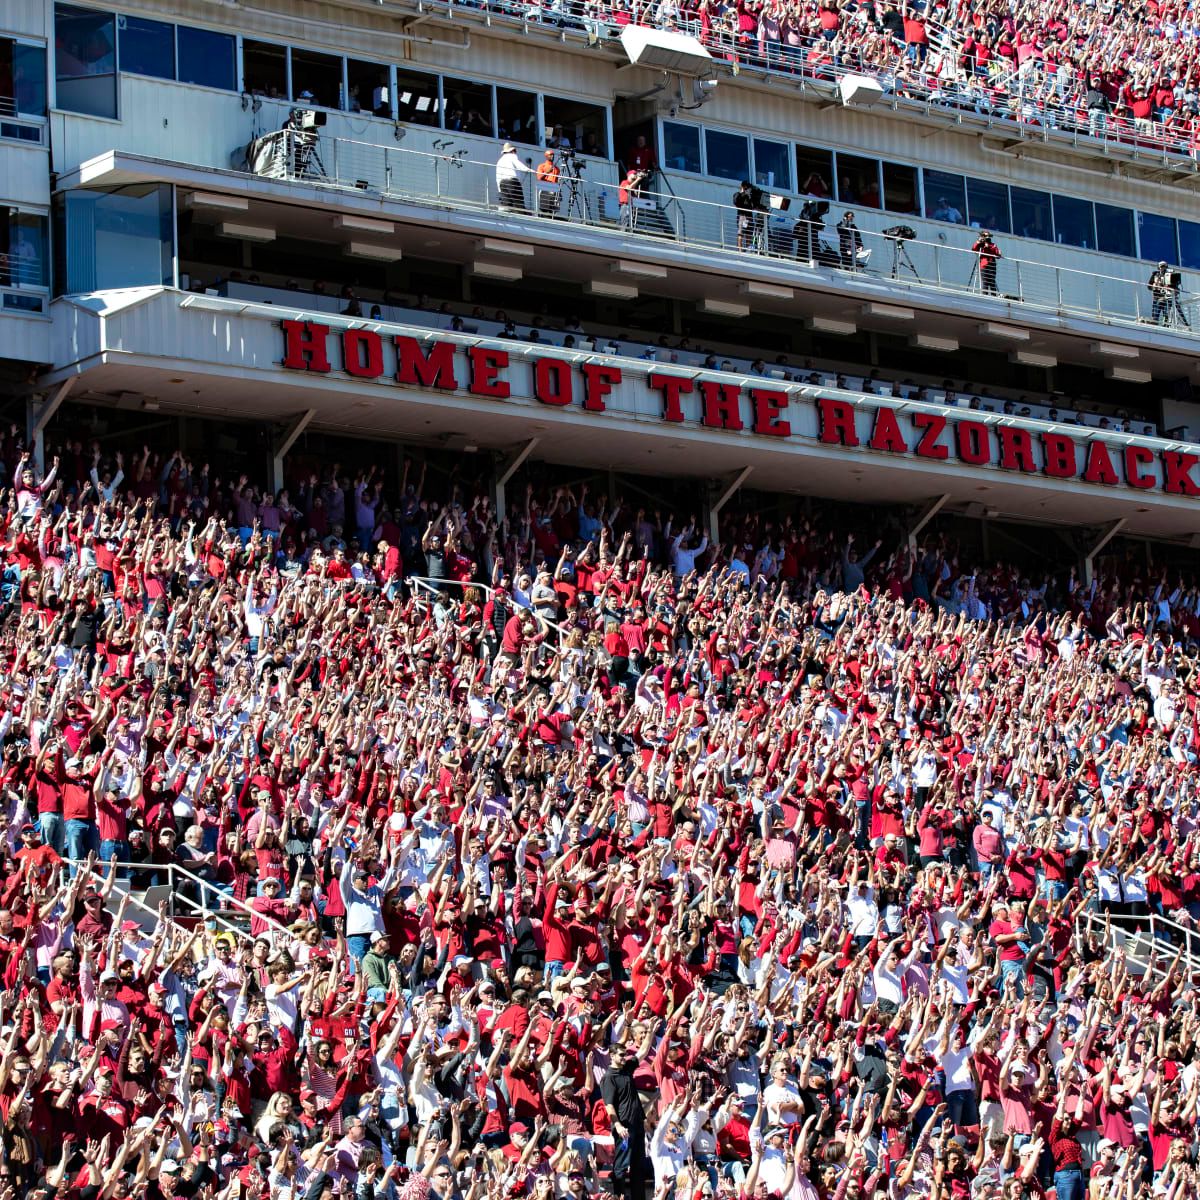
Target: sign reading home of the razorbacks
column 489, row 372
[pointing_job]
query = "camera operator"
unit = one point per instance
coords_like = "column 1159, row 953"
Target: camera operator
column 750, row 205
column 1164, row 293
column 547, row 186
column 628, row 194
column 807, row 228
column 850, row 242
column 509, row 169
column 988, row 261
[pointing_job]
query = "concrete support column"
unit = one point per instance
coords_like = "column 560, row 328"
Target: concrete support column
column 38, row 412
column 282, row 443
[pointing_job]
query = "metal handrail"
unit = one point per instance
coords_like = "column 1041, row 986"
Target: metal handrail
column 414, row 176
column 812, row 61
column 1176, row 937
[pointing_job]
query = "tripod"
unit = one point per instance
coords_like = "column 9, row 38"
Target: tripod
column 572, row 199
column 306, row 155
column 900, row 259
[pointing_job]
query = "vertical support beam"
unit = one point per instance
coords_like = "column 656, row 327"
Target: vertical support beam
column 1107, row 533
column 37, row 417
column 505, row 470
column 284, row 442
column 926, row 515
column 720, row 496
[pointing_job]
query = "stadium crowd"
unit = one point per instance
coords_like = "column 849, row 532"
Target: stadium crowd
column 664, row 868
column 1125, row 71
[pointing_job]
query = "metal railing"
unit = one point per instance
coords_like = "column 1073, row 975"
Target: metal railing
column 24, row 269
column 1028, row 104
column 432, row 593
column 1148, row 943
column 458, row 182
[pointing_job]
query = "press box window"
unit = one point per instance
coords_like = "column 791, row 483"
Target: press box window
column 858, row 181
column 987, row 205
column 147, row 47
column 1114, row 230
column 945, row 197
column 728, row 154
column 1156, row 237
column 468, row 106
column 316, row 79
column 368, row 83
column 206, row 58
column 417, row 98
column 772, row 165
column 585, row 126
column 22, row 249
column 814, row 172
column 264, row 69
column 900, row 189
column 22, row 79
column 681, row 147
column 516, row 116
column 85, row 61
column 1031, row 213
column 1074, row 222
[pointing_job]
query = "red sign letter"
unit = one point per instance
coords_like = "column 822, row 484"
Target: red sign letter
column 1136, row 457
column 1058, row 450
column 362, row 353
column 932, row 424
column 974, row 444
column 552, row 381
column 304, row 346
column 835, row 419
column 598, row 381
column 1016, row 450
column 433, row 370
column 768, row 405
column 720, row 409
column 886, row 435
column 485, row 367
column 1098, row 466
column 1177, row 469
column 672, row 387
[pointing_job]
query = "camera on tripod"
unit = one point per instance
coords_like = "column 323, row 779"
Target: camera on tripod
column 305, row 120
column 900, row 233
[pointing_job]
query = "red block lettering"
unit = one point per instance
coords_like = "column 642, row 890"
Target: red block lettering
column 720, row 409
column 1058, row 451
column 1098, row 467
column 1136, row 457
column 886, row 435
column 1177, row 472
column 552, row 382
column 672, row 387
column 768, row 404
column 835, row 419
column 1016, row 450
column 362, row 353
column 435, row 369
column 486, row 366
column 598, row 381
column 304, row 346
column 974, row 444
column 928, row 445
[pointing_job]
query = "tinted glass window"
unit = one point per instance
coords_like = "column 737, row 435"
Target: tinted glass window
column 1114, row 230
column 858, row 181
column 1156, row 237
column 316, row 79
column 900, row 189
column 417, row 98
column 772, row 165
column 206, row 58
column 814, row 172
column 468, row 106
column 681, row 147
column 22, row 79
column 728, row 154
column 1031, row 213
column 516, row 116
column 1074, row 222
column 264, row 69
column 585, row 126
column 368, row 88
column 85, row 61
column 147, row 47
column 987, row 205
column 22, row 249
column 1189, row 244
column 945, row 197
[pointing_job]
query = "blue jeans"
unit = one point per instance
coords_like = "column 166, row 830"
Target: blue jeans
column 1013, row 970
column 1068, row 1184
column 111, row 848
column 53, row 830
column 81, row 839
column 358, row 945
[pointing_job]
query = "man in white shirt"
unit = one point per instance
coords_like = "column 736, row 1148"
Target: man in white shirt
column 509, row 169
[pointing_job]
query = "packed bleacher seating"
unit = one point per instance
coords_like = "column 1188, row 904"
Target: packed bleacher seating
column 605, row 859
